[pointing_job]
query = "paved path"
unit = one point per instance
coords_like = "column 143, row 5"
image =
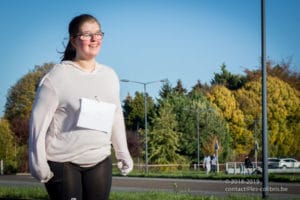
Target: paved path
column 195, row 187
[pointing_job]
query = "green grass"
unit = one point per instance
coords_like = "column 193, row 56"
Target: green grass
column 171, row 196
column 41, row 194
column 194, row 174
column 23, row 192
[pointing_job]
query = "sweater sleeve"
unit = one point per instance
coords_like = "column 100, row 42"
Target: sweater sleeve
column 119, row 140
column 44, row 107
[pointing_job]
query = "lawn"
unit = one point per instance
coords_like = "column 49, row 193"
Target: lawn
column 26, row 193
column 32, row 193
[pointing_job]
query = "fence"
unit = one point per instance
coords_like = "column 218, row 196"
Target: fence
column 239, row 168
column 173, row 167
column 228, row 167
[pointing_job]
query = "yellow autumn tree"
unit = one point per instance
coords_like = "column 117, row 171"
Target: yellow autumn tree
column 224, row 101
column 283, row 113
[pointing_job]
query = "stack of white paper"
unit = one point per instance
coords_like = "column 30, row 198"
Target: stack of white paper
column 96, row 115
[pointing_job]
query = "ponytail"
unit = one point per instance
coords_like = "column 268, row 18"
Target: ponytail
column 69, row 53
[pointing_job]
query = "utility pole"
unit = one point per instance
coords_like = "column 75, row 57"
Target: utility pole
column 265, row 184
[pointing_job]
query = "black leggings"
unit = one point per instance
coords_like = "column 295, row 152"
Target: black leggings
column 72, row 182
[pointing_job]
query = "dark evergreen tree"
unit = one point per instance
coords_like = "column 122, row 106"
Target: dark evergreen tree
column 231, row 81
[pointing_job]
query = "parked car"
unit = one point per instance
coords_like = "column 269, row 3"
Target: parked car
column 273, row 163
column 288, row 163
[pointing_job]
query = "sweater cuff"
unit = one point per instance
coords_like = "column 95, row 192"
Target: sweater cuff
column 48, row 178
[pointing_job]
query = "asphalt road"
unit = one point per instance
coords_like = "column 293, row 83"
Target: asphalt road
column 194, row 187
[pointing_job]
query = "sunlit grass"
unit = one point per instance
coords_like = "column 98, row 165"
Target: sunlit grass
column 23, row 192
column 34, row 192
column 41, row 194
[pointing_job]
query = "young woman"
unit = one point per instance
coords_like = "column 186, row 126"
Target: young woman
column 76, row 117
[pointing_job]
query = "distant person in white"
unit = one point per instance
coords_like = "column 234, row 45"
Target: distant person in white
column 207, row 164
column 69, row 150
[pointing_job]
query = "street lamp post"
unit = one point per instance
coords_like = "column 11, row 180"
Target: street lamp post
column 145, row 113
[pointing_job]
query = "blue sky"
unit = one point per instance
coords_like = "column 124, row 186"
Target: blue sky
column 151, row 39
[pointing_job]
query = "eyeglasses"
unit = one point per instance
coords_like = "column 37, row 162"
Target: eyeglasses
column 89, row 36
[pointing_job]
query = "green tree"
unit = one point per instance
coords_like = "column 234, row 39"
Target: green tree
column 134, row 110
column 183, row 105
column 134, row 113
column 231, row 81
column 134, row 143
column 194, row 109
column 20, row 100
column 179, row 101
column 7, row 147
column 179, row 89
column 210, row 126
column 199, row 88
column 18, row 108
column 185, row 124
column 163, row 137
column 166, row 90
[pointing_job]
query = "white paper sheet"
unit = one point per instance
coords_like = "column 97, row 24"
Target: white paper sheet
column 97, row 115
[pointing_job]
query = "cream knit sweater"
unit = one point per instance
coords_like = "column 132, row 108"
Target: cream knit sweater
column 54, row 135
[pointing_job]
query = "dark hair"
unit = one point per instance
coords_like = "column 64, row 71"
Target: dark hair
column 74, row 26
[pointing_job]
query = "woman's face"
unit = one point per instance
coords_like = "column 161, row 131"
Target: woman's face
column 88, row 41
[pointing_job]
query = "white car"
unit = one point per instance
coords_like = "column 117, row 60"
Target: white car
column 288, row 163
column 273, row 163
